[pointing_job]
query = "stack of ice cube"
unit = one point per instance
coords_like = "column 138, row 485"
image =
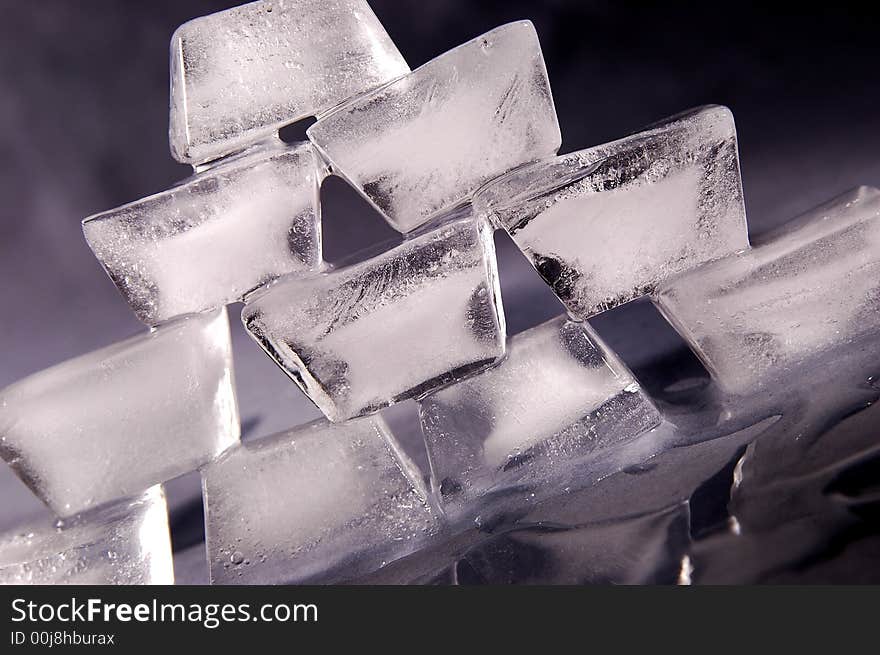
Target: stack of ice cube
column 447, row 153
column 237, row 76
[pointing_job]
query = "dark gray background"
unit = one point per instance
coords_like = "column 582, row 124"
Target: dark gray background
column 83, row 110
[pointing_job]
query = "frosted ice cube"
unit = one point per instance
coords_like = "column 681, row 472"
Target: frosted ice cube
column 311, row 502
column 113, row 422
column 803, row 292
column 417, row 316
column 240, row 74
column 125, row 543
column 424, row 143
column 216, row 236
column 557, row 396
column 606, row 225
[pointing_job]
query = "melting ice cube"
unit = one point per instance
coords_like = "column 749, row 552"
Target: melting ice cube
column 109, row 424
column 557, row 396
column 424, row 143
column 606, row 225
column 806, row 290
column 216, row 236
column 417, row 316
column 317, row 503
column 240, row 74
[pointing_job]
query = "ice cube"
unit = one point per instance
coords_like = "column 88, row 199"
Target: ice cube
column 113, row 422
column 319, row 503
column 804, row 292
column 363, row 337
column 216, row 236
column 424, row 143
column 559, row 395
column 125, row 543
column 606, row 225
column 240, row 74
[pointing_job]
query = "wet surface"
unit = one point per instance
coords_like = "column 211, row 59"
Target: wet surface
column 780, row 487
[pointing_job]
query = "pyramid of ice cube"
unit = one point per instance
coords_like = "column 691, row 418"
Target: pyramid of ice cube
column 448, row 153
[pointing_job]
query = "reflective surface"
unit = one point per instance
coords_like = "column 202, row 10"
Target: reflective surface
column 773, row 489
column 104, row 153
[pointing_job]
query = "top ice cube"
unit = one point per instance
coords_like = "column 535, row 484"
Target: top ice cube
column 608, row 224
column 240, row 74
column 424, row 143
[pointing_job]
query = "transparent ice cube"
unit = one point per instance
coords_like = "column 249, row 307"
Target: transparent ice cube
column 606, row 225
column 125, row 543
column 240, row 74
column 559, row 395
column 317, row 503
column 417, row 316
column 109, row 424
column 216, row 236
column 804, row 292
column 425, row 142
